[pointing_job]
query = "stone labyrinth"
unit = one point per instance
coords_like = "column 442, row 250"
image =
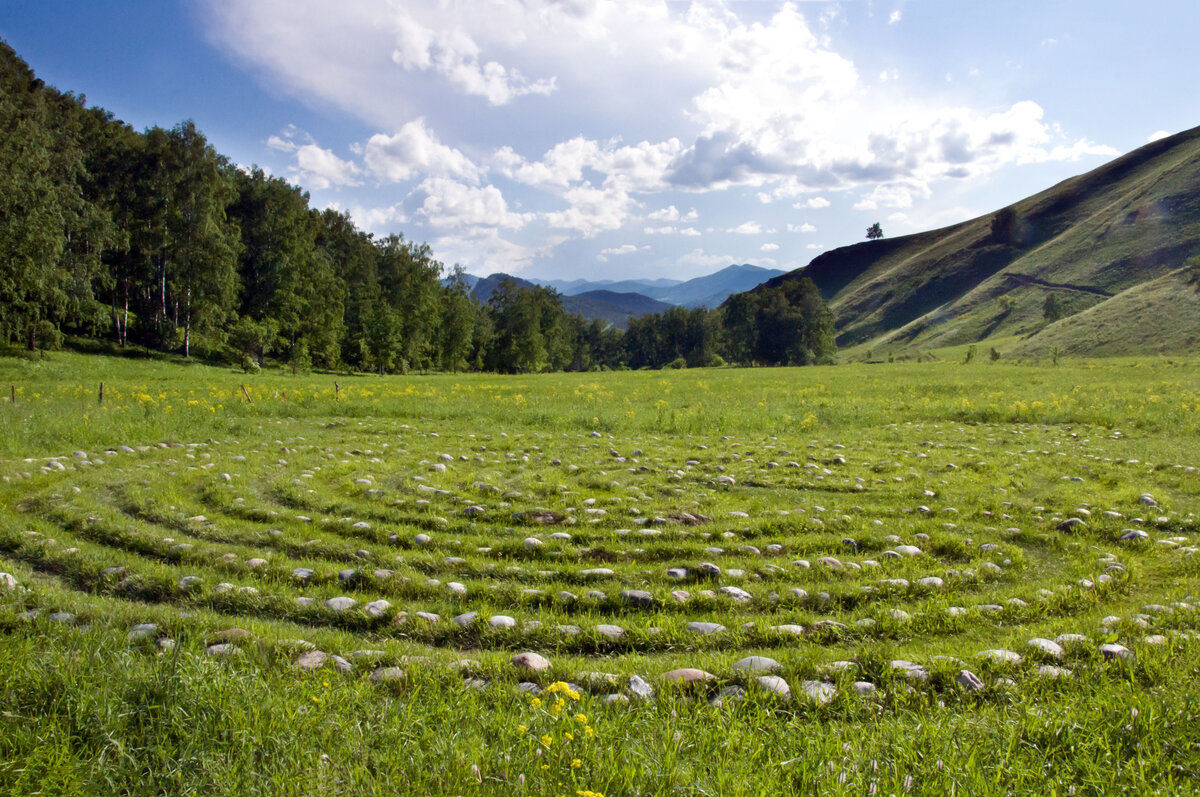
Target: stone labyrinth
column 930, row 557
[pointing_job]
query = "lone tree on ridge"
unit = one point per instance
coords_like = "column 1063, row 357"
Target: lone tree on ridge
column 874, row 232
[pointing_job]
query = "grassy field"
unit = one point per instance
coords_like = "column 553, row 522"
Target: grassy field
column 318, row 584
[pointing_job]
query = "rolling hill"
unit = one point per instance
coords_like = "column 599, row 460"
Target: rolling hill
column 613, row 307
column 1110, row 244
column 707, row 291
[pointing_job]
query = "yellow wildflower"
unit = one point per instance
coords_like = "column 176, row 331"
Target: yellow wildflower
column 547, row 739
column 537, row 701
column 569, row 736
column 581, row 719
column 522, row 728
column 588, row 730
column 576, row 763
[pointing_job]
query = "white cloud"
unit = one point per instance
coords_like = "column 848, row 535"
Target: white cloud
column 449, row 205
column 624, row 249
column 671, row 213
column 806, row 227
column 894, row 18
column 690, row 231
column 769, row 247
column 698, row 257
column 1161, row 134
column 592, row 210
column 414, row 152
column 747, row 228
column 319, row 169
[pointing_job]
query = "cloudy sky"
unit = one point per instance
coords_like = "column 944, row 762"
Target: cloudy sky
column 638, row 138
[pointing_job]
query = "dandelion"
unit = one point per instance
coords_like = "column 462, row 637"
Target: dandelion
column 316, row 700
column 545, row 767
column 522, row 728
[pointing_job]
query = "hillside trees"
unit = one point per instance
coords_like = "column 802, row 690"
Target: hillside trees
column 154, row 238
column 874, row 232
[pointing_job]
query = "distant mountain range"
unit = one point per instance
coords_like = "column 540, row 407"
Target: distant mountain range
column 1111, row 247
column 616, row 301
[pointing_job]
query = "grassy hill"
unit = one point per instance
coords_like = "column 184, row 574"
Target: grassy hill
column 1106, row 243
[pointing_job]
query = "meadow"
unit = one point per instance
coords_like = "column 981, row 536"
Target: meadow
column 859, row 579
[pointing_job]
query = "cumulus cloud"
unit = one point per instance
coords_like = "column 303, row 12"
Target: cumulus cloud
column 449, row 205
column 624, row 249
column 769, row 247
column 592, row 210
column 894, row 17
column 671, row 213
column 806, row 227
column 415, row 151
column 747, row 228
column 813, row 203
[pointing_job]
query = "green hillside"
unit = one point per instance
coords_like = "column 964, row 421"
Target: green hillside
column 1087, row 240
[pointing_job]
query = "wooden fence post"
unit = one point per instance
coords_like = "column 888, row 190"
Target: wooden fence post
column 101, row 402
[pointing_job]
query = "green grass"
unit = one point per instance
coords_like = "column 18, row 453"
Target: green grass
column 976, row 465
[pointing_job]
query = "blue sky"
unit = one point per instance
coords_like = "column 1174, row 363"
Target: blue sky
column 631, row 138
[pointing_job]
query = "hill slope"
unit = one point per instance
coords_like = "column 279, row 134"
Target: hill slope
column 615, row 308
column 1087, row 240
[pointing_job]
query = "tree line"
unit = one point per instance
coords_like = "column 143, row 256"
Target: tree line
column 155, row 239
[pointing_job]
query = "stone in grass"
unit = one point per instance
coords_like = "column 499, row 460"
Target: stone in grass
column 613, row 699
column 456, row 588
column 143, row 631
column 530, row 661
column 931, row 582
column 377, row 608
column 66, row 618
column 385, row 674
column 818, row 692
column 640, row 688
column 529, row 687
column 774, row 685
column 686, row 676
column 223, row 649
column 969, row 681
column 302, row 574
column 1046, row 647
column 863, row 687
column 501, row 621
column 757, row 664
column 637, row 598
column 1112, row 651
column 790, row 629
column 1050, row 671
column 1071, row 639
column 677, row 573
column 255, row 563
column 1000, row 656
column 910, row 670
column 610, row 631
column 423, row 539
column 736, row 593
column 709, row 570
column 465, row 619
column 190, row 582
column 312, row 660
column 1134, row 535
column 1072, row 524
column 729, row 694
column 596, row 572
column 705, row 628
column 340, row 604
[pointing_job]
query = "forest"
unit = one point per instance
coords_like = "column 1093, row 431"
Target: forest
column 153, row 239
